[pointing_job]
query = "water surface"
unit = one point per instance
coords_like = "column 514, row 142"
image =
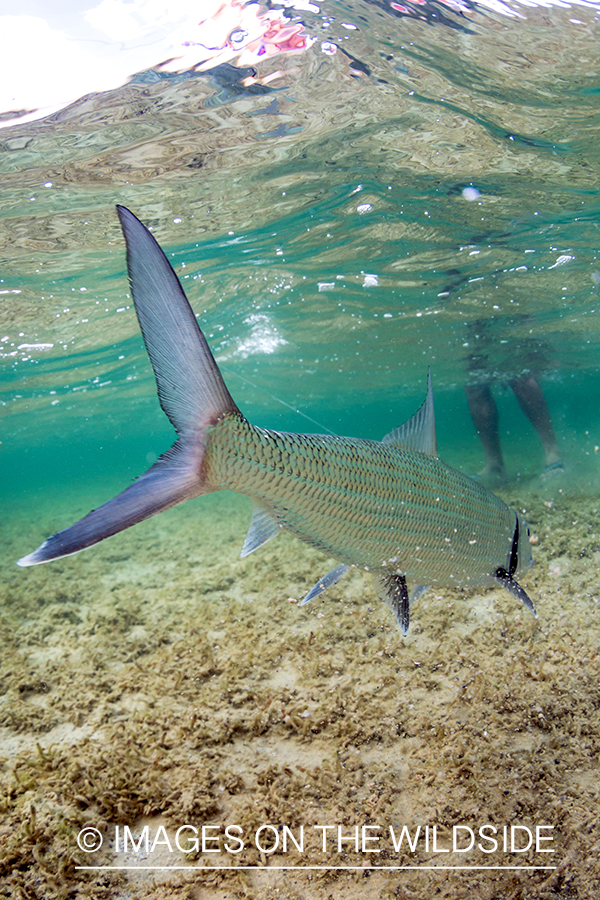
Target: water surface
column 383, row 188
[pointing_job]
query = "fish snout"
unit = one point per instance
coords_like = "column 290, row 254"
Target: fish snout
column 525, row 556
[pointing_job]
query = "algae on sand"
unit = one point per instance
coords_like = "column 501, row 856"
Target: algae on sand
column 159, row 680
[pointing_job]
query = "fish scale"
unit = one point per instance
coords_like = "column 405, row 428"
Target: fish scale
column 365, row 503
column 392, row 507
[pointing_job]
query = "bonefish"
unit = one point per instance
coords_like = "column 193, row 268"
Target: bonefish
column 392, row 507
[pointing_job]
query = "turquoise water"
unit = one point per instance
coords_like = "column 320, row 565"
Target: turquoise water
column 330, row 265
column 424, row 194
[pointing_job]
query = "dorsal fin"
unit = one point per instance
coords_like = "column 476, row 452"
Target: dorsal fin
column 418, row 433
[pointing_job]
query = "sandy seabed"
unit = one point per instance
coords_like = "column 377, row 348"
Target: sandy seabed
column 159, row 681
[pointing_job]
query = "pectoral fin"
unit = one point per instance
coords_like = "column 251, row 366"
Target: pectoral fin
column 394, row 591
column 418, row 591
column 505, row 578
column 513, row 587
column 323, row 583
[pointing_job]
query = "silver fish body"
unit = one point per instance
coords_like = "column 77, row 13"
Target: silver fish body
column 369, row 505
column 391, row 507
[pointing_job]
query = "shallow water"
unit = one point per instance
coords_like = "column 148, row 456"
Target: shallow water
column 389, row 191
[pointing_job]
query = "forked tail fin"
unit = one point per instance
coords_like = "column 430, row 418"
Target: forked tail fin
column 191, row 391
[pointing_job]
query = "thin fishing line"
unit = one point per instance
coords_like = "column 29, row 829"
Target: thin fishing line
column 279, row 400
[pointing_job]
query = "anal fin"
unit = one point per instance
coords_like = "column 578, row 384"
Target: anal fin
column 263, row 527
